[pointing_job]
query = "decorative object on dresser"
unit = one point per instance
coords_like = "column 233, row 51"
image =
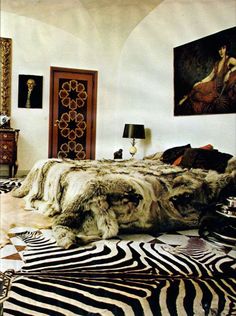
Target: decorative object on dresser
column 4, row 121
column 118, row 154
column 134, row 131
column 8, row 149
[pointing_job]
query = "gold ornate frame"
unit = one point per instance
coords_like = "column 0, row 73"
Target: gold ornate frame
column 5, row 75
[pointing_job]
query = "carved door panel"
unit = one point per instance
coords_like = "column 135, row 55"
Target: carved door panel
column 72, row 122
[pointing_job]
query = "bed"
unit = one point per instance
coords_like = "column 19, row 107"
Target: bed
column 102, row 256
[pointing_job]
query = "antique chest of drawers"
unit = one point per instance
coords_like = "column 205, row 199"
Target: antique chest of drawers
column 8, row 149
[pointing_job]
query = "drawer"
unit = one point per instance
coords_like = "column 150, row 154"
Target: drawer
column 7, row 146
column 7, row 136
column 6, row 158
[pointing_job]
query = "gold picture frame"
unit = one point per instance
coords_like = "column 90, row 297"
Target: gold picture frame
column 5, row 75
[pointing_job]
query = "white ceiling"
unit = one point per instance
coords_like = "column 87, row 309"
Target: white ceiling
column 106, row 15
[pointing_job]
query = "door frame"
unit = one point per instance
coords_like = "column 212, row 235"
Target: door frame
column 53, row 71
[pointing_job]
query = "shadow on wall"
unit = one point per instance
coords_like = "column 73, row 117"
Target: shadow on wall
column 147, row 141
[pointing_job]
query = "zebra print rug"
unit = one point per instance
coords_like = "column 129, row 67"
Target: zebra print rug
column 121, row 277
column 6, row 185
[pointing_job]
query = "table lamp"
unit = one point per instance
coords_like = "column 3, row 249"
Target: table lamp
column 134, row 131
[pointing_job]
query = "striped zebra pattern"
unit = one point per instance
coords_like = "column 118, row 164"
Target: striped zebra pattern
column 6, row 185
column 122, row 277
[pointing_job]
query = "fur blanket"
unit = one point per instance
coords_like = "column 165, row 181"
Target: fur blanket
column 13, row 214
column 89, row 200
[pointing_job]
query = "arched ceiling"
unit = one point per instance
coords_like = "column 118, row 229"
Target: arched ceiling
column 107, row 16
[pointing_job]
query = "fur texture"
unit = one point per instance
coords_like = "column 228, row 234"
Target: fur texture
column 13, row 214
column 89, row 200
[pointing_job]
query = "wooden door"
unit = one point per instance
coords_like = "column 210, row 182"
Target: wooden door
column 72, row 120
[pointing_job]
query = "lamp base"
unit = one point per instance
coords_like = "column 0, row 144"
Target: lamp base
column 132, row 150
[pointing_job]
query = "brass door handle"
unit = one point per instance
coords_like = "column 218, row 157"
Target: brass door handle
column 56, row 122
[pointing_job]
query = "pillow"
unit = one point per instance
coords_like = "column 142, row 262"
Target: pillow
column 207, row 147
column 171, row 154
column 177, row 162
column 205, row 159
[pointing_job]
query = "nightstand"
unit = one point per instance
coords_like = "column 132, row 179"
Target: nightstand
column 8, row 149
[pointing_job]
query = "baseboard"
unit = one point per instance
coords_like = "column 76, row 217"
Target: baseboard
column 4, row 173
column 22, row 173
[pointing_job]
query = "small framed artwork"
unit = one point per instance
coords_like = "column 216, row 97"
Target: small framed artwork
column 30, row 91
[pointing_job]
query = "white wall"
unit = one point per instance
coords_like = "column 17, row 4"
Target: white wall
column 146, row 75
column 36, row 47
column 135, row 83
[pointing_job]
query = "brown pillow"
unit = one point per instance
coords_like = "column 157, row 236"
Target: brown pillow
column 205, row 159
column 177, row 161
column 171, row 154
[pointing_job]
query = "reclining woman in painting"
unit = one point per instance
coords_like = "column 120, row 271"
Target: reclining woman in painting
column 216, row 93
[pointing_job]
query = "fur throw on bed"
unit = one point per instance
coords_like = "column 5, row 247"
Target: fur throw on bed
column 89, row 200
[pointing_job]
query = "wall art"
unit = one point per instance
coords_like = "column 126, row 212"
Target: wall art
column 30, row 91
column 205, row 75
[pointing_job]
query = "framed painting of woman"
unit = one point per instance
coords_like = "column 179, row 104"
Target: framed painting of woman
column 205, row 75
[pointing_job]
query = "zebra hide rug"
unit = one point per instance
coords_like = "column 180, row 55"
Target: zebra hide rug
column 90, row 200
column 130, row 277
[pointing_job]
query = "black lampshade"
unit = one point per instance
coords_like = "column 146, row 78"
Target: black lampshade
column 134, row 131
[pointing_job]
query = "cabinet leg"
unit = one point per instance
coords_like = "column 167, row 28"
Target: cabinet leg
column 10, row 171
column 15, row 169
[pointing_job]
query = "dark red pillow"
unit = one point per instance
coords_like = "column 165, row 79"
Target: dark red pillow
column 177, row 162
